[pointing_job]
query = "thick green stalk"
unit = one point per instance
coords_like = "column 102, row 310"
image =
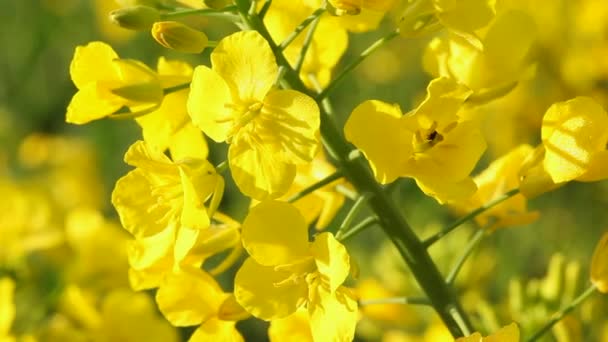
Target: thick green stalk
column 442, row 297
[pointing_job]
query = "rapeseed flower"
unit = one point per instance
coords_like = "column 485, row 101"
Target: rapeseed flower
column 285, row 272
column 436, row 145
column 270, row 131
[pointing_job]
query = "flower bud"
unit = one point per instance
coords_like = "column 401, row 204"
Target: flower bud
column 177, row 36
column 599, row 265
column 137, row 18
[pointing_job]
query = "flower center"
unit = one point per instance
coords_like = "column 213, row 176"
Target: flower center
column 243, row 115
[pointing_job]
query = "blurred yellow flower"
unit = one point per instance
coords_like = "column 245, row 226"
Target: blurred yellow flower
column 492, row 67
column 509, row 333
column 599, row 265
column 7, row 308
column 501, row 176
column 270, row 131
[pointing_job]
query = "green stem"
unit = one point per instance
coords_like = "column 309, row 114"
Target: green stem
column 394, row 300
column 318, row 185
column 468, row 250
column 350, row 216
column 265, row 8
column 304, row 24
column 306, row 45
column 414, row 253
column 563, row 312
column 227, row 12
column 356, row 229
column 375, row 46
column 431, row 240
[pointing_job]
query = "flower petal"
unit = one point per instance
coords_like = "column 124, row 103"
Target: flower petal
column 90, row 103
column 374, row 128
column 599, row 265
column 207, row 103
column 294, row 119
column 275, row 233
column 216, row 330
column 91, row 63
column 258, row 169
column 246, row 62
column 572, row 132
column 331, row 258
column 334, row 316
column 189, row 297
column 257, row 289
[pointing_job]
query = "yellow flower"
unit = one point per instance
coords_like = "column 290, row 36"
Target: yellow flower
column 509, row 333
column 494, row 64
column 436, row 146
column 169, row 126
column 270, row 131
column 500, row 177
column 599, row 265
column 106, row 83
column 154, row 257
column 285, row 272
column 192, row 297
column 161, row 192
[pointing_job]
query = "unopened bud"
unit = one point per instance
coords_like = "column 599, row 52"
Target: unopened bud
column 217, row 4
column 137, row 18
column 177, row 36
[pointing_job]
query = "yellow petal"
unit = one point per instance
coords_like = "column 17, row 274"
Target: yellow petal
column 246, row 62
column 189, row 297
column 7, row 306
column 91, row 63
column 466, row 16
column 449, row 191
column 295, row 327
column 207, row 103
column 231, row 310
column 509, row 333
column 194, row 214
column 188, row 142
column 331, row 258
column 275, row 233
column 150, row 259
column 334, row 316
column 572, row 132
column 90, row 103
column 293, row 118
column 216, row 330
column 599, row 265
column 259, row 170
column 375, row 129
column 444, row 99
column 257, row 289
column 131, row 197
